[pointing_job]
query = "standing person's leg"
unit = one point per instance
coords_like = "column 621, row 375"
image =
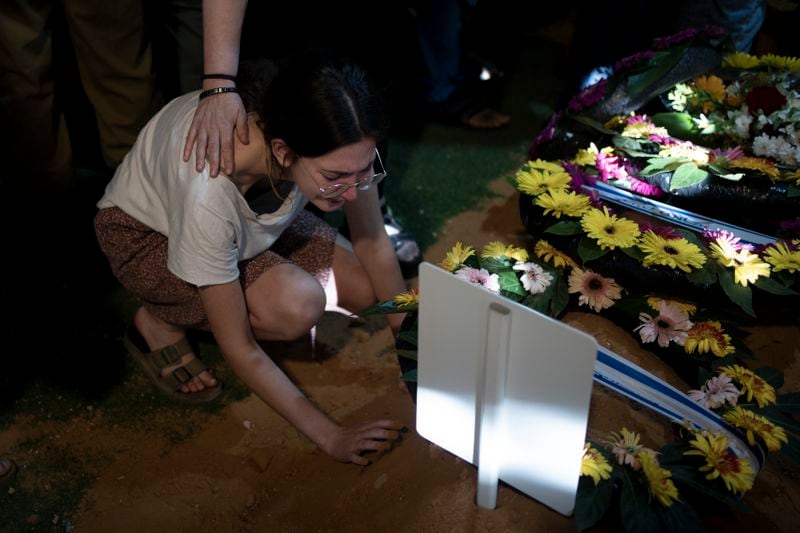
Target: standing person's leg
column 114, row 59
column 35, row 139
column 177, row 27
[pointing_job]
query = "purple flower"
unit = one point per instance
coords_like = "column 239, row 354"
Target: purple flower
column 732, row 240
column 610, row 168
column 714, row 31
column 546, row 135
column 660, row 139
column 578, row 175
column 588, row 97
column 632, row 60
column 731, row 154
column 682, row 36
column 791, row 225
column 666, row 232
column 645, row 189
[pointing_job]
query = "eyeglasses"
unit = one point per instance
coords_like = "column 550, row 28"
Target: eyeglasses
column 335, row 190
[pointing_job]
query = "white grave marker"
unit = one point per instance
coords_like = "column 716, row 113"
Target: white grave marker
column 503, row 387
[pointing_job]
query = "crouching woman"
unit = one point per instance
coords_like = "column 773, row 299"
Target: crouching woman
column 239, row 255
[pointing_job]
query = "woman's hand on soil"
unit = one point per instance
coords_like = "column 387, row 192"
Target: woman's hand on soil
column 347, row 444
column 212, row 130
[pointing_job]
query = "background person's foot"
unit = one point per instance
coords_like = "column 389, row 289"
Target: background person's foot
column 405, row 246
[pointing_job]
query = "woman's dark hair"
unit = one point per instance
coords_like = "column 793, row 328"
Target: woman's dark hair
column 315, row 105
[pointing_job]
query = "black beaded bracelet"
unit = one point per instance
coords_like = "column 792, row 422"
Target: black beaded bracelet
column 218, row 90
column 228, row 77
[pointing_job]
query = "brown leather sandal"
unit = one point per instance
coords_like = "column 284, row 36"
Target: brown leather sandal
column 153, row 362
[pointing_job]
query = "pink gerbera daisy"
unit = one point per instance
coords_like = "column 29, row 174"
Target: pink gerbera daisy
column 595, row 291
column 672, row 324
column 480, row 276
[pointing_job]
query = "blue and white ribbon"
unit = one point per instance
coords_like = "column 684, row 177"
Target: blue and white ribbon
column 676, row 215
column 643, row 387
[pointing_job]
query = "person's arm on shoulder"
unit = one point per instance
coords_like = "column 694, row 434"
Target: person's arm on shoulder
column 374, row 250
column 227, row 314
column 217, row 116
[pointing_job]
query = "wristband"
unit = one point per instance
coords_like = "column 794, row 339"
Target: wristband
column 218, row 77
column 218, row 90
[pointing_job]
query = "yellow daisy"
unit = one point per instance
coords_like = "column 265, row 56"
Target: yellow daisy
column 658, row 480
column 780, row 62
column 708, row 337
column 407, row 299
column 499, row 249
column 536, row 182
column 549, row 166
column 549, row 253
column 754, row 424
column 740, row 60
column 642, row 130
column 749, row 268
column 711, row 85
column 654, row 302
column 753, row 385
column 781, row 257
column 586, row 156
column 672, row 253
column 759, row 164
column 686, row 150
column 721, row 462
column 609, row 230
column 723, row 251
column 456, row 256
column 561, row 202
column 794, row 175
column 594, row 464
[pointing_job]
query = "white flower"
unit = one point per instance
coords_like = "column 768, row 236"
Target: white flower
column 535, row 279
column 716, row 392
column 672, row 324
column 480, row 277
column 741, row 122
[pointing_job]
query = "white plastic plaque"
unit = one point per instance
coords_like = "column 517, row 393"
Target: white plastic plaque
column 503, row 387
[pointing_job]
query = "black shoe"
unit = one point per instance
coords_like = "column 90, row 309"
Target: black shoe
column 406, row 248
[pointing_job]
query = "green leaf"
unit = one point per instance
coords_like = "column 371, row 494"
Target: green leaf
column 408, row 354
column 538, row 302
column 634, row 505
column 773, row 287
column 728, row 360
column 691, row 237
column 496, row 265
column 690, row 476
column 686, row 175
column 510, row 284
column 661, row 164
column 678, row 124
column 409, row 336
column 741, row 296
column 634, row 252
column 565, row 227
column 680, row 517
column 773, row 376
column 592, row 502
column 703, row 375
column 792, row 191
column 588, row 249
column 410, row 376
column 702, row 277
column 632, row 147
column 560, row 295
column 786, row 277
column 662, row 62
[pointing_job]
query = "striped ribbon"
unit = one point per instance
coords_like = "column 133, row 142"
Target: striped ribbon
column 643, row 387
column 676, row 215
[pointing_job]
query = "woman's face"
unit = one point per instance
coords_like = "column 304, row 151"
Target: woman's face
column 344, row 166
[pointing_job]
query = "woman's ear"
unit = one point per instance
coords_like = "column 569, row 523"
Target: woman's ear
column 283, row 154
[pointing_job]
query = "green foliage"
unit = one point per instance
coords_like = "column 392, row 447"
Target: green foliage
column 409, row 336
column 661, row 63
column 632, row 147
column 565, row 227
column 773, row 376
column 774, row 287
column 656, row 165
column 686, row 175
column 678, row 125
column 510, row 285
column 588, row 249
column 592, row 501
column 637, row 511
column 741, row 296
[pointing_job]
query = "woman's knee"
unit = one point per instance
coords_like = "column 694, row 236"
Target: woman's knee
column 285, row 301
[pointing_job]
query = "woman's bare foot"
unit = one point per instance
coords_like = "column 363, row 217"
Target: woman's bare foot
column 159, row 334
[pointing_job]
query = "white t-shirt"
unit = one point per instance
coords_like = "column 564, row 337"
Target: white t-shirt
column 209, row 225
